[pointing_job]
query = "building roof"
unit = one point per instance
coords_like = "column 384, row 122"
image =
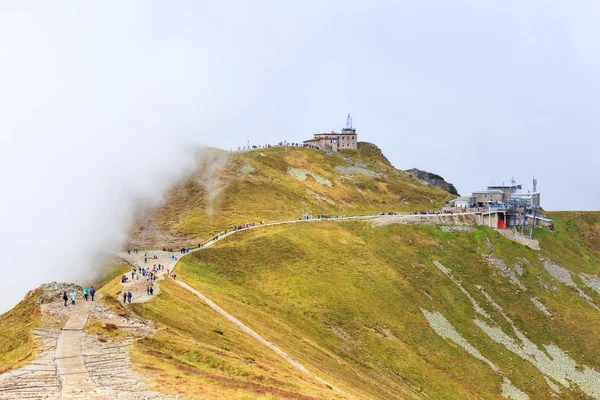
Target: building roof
column 516, row 185
column 335, row 134
column 489, row 192
column 525, row 194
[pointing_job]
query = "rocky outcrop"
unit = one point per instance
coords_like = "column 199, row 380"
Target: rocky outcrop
column 433, row 180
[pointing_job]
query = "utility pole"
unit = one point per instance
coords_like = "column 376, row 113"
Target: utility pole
column 523, row 222
column 533, row 222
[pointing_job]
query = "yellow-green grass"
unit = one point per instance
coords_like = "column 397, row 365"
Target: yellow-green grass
column 197, row 353
column 256, row 186
column 17, row 343
column 109, row 271
column 344, row 299
column 110, row 284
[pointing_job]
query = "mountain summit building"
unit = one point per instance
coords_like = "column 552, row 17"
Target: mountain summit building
column 333, row 142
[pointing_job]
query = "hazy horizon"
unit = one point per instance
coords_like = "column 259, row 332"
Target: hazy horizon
column 103, row 105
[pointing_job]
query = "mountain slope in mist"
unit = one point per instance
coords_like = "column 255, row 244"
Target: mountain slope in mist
column 279, row 183
column 378, row 308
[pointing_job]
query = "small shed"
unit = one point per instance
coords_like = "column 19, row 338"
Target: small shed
column 462, row 202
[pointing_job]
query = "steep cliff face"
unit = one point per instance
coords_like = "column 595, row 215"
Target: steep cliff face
column 433, row 179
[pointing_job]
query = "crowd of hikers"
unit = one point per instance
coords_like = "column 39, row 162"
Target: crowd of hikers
column 436, row 212
column 226, row 231
column 87, row 293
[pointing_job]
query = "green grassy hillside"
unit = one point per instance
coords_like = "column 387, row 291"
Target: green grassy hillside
column 280, row 183
column 200, row 354
column 350, row 300
column 379, row 311
column 17, row 343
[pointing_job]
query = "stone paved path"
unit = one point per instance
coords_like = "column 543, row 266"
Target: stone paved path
column 74, row 378
column 38, row 379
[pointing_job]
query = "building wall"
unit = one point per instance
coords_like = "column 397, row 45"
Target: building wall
column 333, row 142
column 531, row 199
column 485, row 197
column 347, row 142
column 461, row 203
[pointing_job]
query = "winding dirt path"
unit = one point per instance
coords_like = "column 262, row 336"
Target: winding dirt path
column 75, row 381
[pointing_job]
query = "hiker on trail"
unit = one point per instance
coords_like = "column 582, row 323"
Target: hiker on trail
column 148, row 290
column 124, row 298
column 151, row 291
column 132, row 273
column 174, row 276
column 65, row 298
column 73, row 296
column 145, row 259
column 92, row 292
column 129, row 297
column 85, row 293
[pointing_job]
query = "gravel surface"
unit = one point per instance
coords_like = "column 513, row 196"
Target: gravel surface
column 301, row 174
column 563, row 275
column 505, row 271
column 356, row 171
column 38, row 379
column 444, row 328
column 553, row 362
column 540, row 306
column 591, row 281
column 510, row 391
column 517, row 237
column 246, row 170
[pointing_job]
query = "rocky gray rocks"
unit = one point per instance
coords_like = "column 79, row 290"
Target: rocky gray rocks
column 433, row 180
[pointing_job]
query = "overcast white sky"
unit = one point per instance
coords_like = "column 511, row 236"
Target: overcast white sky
column 101, row 103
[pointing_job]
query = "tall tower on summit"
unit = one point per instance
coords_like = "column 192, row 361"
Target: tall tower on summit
column 348, row 130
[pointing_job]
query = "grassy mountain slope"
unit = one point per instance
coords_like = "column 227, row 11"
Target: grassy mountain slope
column 280, row 183
column 199, row 354
column 381, row 312
column 345, row 299
column 17, row 343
